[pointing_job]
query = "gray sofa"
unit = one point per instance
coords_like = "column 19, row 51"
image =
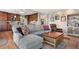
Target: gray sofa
column 37, row 29
column 30, row 41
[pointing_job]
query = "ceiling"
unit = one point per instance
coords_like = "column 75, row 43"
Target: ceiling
column 19, row 11
column 46, row 11
column 29, row 11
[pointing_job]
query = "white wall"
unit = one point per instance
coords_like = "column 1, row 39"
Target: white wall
column 45, row 17
column 23, row 20
column 65, row 12
column 60, row 24
column 38, row 21
column 40, row 16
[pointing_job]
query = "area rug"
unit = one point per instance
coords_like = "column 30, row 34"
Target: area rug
column 60, row 46
column 63, row 44
column 3, row 42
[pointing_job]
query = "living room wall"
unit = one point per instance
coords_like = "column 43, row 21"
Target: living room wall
column 39, row 18
column 45, row 17
column 59, row 22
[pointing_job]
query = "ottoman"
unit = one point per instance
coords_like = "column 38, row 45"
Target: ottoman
column 30, row 41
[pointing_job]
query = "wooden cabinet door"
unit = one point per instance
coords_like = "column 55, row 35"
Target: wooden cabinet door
column 9, row 27
column 17, row 17
column 3, row 26
column 9, row 16
column 3, row 16
column 33, row 17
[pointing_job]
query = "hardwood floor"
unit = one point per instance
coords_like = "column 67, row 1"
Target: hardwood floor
column 8, row 36
column 73, row 41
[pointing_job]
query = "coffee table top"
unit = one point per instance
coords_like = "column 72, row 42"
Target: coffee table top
column 52, row 34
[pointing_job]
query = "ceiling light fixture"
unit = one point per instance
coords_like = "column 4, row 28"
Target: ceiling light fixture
column 21, row 12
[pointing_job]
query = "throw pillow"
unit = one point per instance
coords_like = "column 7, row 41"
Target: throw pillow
column 20, row 31
column 25, row 30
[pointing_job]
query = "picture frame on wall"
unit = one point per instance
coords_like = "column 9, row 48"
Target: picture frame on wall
column 57, row 17
column 52, row 19
column 42, row 21
column 63, row 18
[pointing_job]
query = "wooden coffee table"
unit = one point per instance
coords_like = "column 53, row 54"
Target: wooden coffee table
column 53, row 38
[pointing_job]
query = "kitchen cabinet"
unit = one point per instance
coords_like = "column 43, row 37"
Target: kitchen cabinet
column 5, row 18
column 10, row 15
column 33, row 17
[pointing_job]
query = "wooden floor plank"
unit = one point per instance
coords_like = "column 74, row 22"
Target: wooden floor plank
column 10, row 44
column 8, row 36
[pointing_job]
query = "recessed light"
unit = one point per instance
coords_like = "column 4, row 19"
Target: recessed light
column 21, row 12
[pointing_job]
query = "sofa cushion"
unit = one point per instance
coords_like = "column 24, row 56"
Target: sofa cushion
column 31, row 27
column 34, row 27
column 38, row 28
column 31, row 41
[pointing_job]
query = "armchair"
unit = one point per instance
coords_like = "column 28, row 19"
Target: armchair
column 54, row 28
